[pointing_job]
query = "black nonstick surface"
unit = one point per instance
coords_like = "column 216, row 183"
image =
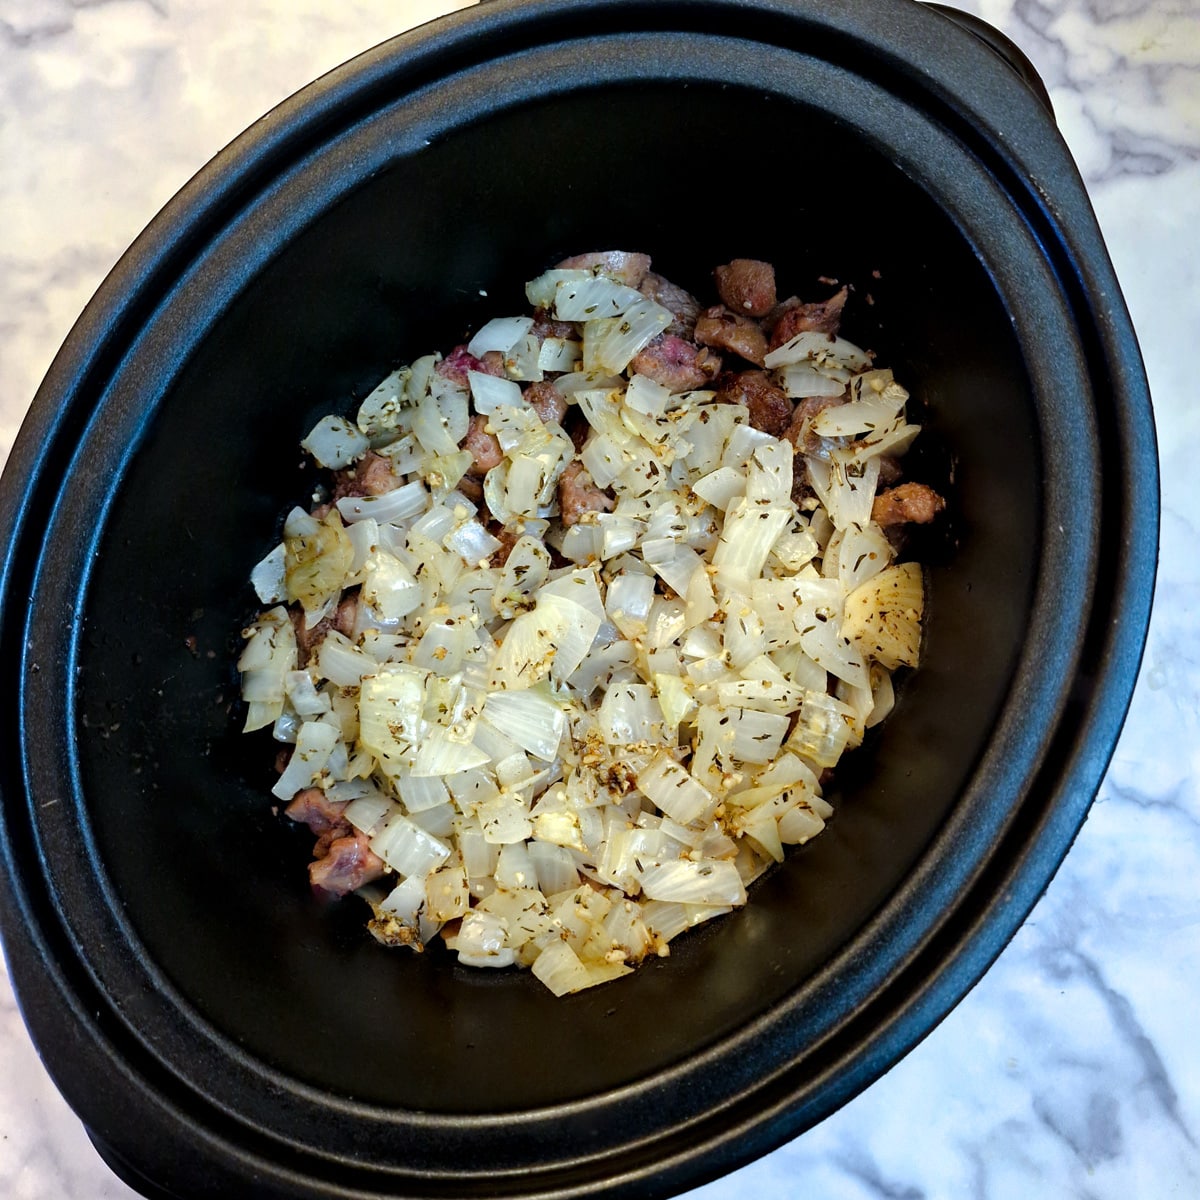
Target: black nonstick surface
column 157, row 916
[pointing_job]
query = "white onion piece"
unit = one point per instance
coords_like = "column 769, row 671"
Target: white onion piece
column 505, row 819
column 721, row 487
column 389, row 587
column 480, row 941
column 559, row 354
column 500, row 333
column 553, row 863
column 706, row 882
column 407, row 848
column 523, row 360
column 314, row 744
column 873, row 412
column 530, row 719
column 593, row 297
column 489, row 392
column 471, row 542
column 367, row 812
column 335, row 443
column 610, row 343
column 267, row 577
column 390, row 714
column 630, row 713
column 819, row 348
column 675, row 792
column 845, row 487
column 303, row 696
column 405, row 901
column 400, row 504
column 747, row 536
column 438, row 754
column 560, row 969
column 540, row 292
column 628, row 603
column 382, row 413
column 800, row 380
column 270, row 653
column 447, row 894
column 822, row 729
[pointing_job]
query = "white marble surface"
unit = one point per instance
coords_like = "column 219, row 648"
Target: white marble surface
column 1073, row 1069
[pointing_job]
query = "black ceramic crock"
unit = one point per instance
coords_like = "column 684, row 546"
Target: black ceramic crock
column 220, row 1032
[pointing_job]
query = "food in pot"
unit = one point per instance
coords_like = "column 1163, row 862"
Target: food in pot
column 591, row 607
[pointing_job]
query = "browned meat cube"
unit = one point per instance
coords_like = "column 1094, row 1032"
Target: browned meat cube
column 680, row 303
column 347, row 864
column 313, row 808
column 908, row 503
column 484, row 447
column 370, row 476
column 823, row 317
column 545, row 325
column 769, row 407
column 799, row 432
column 577, row 494
column 677, row 364
column 724, row 330
column 747, row 286
column 507, row 540
column 547, row 401
column 460, row 360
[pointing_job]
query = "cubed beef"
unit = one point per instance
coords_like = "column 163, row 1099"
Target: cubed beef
column 747, row 286
column 908, row 503
column 676, row 363
column 485, row 449
column 313, row 808
column 769, row 407
column 547, row 401
column 799, row 432
column 460, row 360
column 347, row 864
column 724, row 330
column 822, row 317
column 682, row 305
column 577, row 494
column 545, row 325
column 370, row 476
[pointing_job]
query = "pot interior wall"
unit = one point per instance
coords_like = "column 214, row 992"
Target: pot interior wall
column 214, row 883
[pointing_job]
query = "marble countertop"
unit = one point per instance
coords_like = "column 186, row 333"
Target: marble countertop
column 1073, row 1068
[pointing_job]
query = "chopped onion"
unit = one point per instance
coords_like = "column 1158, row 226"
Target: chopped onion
column 609, row 343
column 267, row 578
column 314, row 744
column 500, row 333
column 400, row 504
column 569, row 765
column 335, row 443
column 489, row 392
column 594, row 297
column 531, row 719
column 883, row 615
column 709, row 881
column 819, row 348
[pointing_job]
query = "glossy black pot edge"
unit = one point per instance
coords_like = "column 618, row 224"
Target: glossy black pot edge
column 1026, row 883
column 1002, row 46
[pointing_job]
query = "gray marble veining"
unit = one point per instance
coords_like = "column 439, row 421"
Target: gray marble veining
column 1073, row 1068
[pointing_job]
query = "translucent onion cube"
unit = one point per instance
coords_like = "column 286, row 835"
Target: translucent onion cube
column 883, row 615
column 709, row 881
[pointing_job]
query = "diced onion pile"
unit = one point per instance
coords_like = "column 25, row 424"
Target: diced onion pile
column 567, row 766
